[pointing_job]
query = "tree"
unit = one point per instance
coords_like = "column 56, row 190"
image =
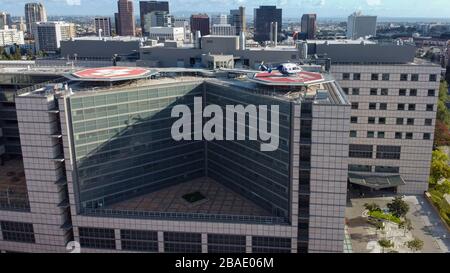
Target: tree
column 398, row 207
column 385, row 244
column 406, row 225
column 372, row 207
column 439, row 166
column 441, row 134
column 415, row 245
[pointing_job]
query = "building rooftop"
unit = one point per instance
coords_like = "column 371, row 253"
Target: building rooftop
column 114, row 73
column 106, row 38
column 217, row 199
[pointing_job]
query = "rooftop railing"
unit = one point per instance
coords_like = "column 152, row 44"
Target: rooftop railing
column 176, row 216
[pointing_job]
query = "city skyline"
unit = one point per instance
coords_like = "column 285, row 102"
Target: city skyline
column 292, row 8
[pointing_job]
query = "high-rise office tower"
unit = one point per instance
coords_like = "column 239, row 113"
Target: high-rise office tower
column 48, row 35
column 103, row 24
column 361, row 26
column 220, row 19
column 5, row 20
column 200, row 22
column 263, row 18
column 309, row 25
column 146, row 7
column 156, row 19
column 238, row 20
column 34, row 12
column 125, row 18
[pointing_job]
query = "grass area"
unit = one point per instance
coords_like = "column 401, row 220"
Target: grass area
column 437, row 197
column 385, row 216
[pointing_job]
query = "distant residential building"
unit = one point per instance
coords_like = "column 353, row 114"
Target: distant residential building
column 309, row 25
column 184, row 23
column 200, row 22
column 220, row 19
column 48, row 35
column 223, row 30
column 238, row 20
column 361, row 26
column 264, row 16
column 146, row 7
column 11, row 37
column 166, row 33
column 5, row 20
column 21, row 25
column 125, row 18
column 34, row 12
column 104, row 24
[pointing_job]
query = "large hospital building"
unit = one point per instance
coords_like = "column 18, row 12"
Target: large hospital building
column 97, row 163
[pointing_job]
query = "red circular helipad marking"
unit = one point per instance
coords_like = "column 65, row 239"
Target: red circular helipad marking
column 114, row 72
column 277, row 77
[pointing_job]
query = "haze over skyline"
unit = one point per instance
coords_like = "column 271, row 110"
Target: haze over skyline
column 291, row 8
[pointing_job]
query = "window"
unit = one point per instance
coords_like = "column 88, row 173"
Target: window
column 428, row 122
column 346, row 76
column 180, row 242
column 433, row 78
column 17, row 232
column 353, row 134
column 403, row 77
column 354, row 120
column 226, row 243
column 384, row 169
column 360, row 151
column 401, row 107
column 430, row 107
column 375, row 77
column 372, row 106
column 398, row 135
column 415, row 77
column 137, row 240
column 410, row 121
column 371, row 120
column 383, row 106
column 381, row 134
column 357, row 77
column 370, row 134
column 360, row 168
column 400, row 121
column 384, row 92
column 413, row 92
column 373, row 92
column 402, row 92
column 412, row 107
column 271, row 245
column 355, row 105
column 386, row 77
column 345, row 90
column 382, row 120
column 431, row 93
column 100, row 238
column 355, row 91
column 409, row 136
column 388, row 152
column 427, row 136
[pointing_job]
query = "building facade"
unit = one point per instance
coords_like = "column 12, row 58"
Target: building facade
column 146, row 7
column 200, row 22
column 48, row 35
column 309, row 25
column 166, row 33
column 11, row 37
column 103, row 24
column 34, row 12
column 223, row 30
column 238, row 19
column 125, row 18
column 264, row 16
column 361, row 26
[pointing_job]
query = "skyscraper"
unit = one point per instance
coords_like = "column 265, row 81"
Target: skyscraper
column 200, row 22
column 238, row 20
column 125, row 18
column 147, row 7
column 263, row 17
column 5, row 20
column 359, row 25
column 103, row 23
column 34, row 12
column 48, row 35
column 309, row 25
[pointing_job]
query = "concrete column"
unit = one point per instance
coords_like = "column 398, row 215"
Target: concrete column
column 160, row 242
column 118, row 239
column 248, row 244
column 204, row 243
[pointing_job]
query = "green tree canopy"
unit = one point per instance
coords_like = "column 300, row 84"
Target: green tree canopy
column 439, row 166
column 398, row 207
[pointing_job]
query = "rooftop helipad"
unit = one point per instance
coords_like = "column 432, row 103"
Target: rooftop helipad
column 277, row 79
column 114, row 73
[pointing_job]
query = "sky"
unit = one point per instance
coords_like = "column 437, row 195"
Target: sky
column 291, row 8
